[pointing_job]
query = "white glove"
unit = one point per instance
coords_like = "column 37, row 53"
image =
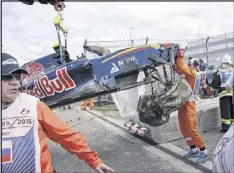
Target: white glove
column 183, row 45
column 198, row 99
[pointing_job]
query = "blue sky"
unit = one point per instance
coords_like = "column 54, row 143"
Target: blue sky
column 28, row 31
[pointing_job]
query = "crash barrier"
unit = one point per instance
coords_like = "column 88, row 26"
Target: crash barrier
column 208, row 115
column 160, row 134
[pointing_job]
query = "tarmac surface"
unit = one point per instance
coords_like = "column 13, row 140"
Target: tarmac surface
column 121, row 150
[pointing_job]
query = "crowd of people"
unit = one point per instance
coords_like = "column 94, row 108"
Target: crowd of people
column 213, row 80
column 214, row 83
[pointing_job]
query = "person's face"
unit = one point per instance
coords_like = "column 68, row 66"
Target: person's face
column 10, row 87
column 190, row 64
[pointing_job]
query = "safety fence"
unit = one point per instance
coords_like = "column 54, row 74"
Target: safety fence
column 211, row 48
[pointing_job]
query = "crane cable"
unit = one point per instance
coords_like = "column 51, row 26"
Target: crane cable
column 60, row 26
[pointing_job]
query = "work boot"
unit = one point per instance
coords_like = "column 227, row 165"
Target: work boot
column 202, row 158
column 191, row 153
column 224, row 127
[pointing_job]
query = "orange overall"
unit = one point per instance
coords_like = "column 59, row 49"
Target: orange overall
column 86, row 102
column 60, row 132
column 187, row 112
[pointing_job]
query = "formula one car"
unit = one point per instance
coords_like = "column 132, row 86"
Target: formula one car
column 58, row 83
column 57, row 80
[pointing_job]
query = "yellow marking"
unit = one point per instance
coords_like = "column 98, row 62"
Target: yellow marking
column 155, row 46
column 226, row 121
column 225, row 93
column 58, row 21
column 56, row 45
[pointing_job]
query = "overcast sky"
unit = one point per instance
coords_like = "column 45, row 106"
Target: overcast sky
column 29, row 33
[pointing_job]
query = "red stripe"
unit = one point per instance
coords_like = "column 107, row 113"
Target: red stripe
column 166, row 44
column 6, row 158
column 137, row 131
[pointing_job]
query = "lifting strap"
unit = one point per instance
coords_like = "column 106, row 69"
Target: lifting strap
column 60, row 26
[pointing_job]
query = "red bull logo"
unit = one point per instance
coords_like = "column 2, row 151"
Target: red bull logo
column 43, row 87
column 33, row 68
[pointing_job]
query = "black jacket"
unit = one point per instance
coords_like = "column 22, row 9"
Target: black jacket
column 216, row 82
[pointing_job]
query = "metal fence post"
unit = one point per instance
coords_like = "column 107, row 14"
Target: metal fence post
column 203, row 47
column 226, row 41
column 207, row 49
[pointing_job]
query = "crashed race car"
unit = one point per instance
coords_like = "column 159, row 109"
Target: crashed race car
column 58, row 83
column 58, row 80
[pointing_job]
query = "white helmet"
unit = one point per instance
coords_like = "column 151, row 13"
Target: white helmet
column 204, row 61
column 227, row 59
column 194, row 62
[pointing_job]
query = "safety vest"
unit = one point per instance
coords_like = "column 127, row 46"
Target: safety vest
column 20, row 141
column 224, row 75
column 196, row 87
column 210, row 76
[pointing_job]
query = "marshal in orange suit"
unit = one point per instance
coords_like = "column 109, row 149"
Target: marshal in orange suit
column 187, row 112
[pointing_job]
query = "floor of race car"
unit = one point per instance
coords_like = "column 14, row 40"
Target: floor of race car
column 118, row 149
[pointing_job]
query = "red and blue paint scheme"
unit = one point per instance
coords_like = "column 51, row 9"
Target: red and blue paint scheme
column 58, row 83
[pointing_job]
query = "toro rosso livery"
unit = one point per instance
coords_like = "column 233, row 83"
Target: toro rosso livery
column 56, row 83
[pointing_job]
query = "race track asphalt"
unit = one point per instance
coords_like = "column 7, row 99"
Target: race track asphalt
column 119, row 150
